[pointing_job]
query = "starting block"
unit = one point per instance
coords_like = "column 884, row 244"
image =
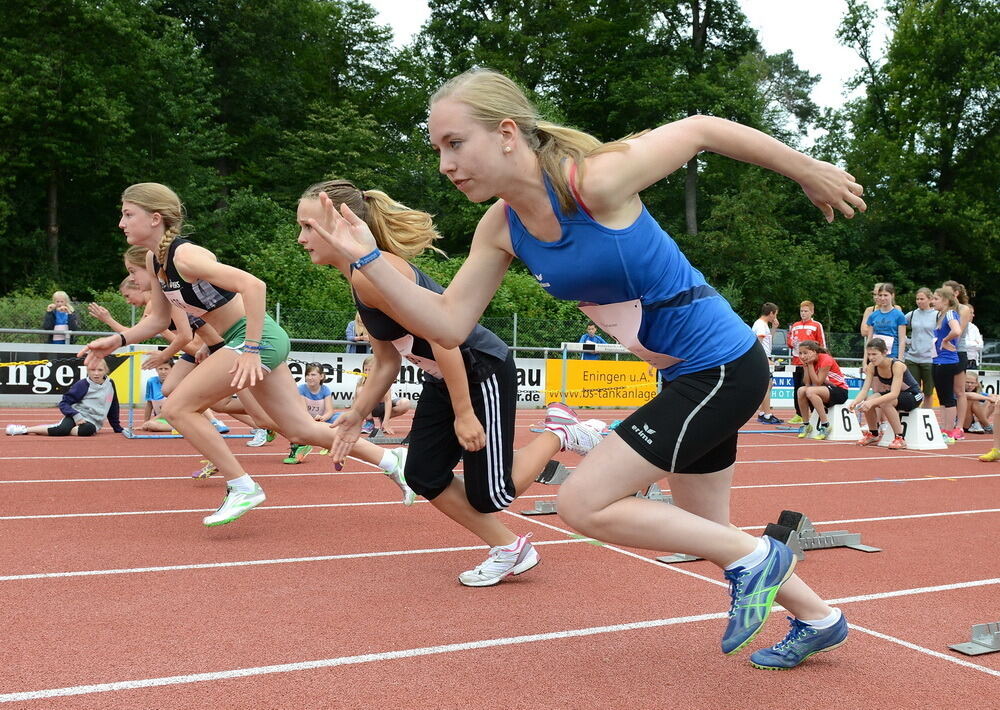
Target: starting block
column 553, row 474
column 921, row 431
column 985, row 639
column 377, row 437
column 843, row 423
column 796, row 531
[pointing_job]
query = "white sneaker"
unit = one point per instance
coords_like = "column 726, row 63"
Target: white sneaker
column 398, row 475
column 501, row 562
column 15, row 429
column 235, row 505
column 976, row 428
column 575, row 435
column 259, row 437
column 597, row 425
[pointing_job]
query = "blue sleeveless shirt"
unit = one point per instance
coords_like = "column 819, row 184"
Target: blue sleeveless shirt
column 636, row 285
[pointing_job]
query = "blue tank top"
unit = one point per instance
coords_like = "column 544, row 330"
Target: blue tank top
column 636, row 285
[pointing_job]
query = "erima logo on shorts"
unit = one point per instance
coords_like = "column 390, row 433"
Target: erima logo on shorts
column 541, row 280
column 645, row 433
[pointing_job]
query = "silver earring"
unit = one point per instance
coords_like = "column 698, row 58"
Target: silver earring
column 506, row 149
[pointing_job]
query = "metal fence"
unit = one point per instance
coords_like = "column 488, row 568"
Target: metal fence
column 300, row 323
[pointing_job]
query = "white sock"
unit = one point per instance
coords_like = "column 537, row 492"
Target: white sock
column 559, row 432
column 755, row 557
column 826, row 622
column 243, row 484
column 389, row 462
column 760, row 414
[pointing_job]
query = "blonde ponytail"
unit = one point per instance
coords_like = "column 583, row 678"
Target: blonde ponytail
column 397, row 229
column 492, row 97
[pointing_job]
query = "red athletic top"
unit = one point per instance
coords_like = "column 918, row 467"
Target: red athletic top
column 834, row 377
column 801, row 331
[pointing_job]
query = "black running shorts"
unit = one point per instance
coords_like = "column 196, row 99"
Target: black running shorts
column 691, row 426
column 434, row 448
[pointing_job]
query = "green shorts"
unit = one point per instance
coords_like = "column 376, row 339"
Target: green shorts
column 274, row 341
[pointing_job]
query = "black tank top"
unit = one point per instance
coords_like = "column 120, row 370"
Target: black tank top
column 482, row 351
column 196, row 298
column 195, row 323
column 909, row 381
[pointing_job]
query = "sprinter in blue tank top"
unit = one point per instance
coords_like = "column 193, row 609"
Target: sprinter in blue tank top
column 569, row 207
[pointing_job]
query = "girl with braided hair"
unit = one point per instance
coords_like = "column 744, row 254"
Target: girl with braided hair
column 231, row 301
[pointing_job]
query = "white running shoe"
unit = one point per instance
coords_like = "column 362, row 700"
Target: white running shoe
column 502, row 561
column 16, row 429
column 259, row 437
column 976, row 428
column 597, row 425
column 398, row 475
column 575, row 435
column 235, row 505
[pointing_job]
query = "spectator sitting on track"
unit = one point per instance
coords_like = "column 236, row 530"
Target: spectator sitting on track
column 800, row 331
column 390, row 407
column 920, row 346
column 62, row 317
column 155, row 399
column 591, row 336
column 979, row 413
column 896, row 391
column 85, row 406
column 823, row 386
column 763, row 328
column 386, row 410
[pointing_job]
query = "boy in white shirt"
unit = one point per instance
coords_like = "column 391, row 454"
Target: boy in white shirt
column 764, row 328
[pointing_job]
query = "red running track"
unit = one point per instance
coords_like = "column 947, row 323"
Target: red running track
column 334, row 595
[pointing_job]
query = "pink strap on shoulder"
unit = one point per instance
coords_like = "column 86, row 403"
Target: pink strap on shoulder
column 576, row 194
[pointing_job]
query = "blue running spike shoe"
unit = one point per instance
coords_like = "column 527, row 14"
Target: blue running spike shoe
column 801, row 642
column 753, row 591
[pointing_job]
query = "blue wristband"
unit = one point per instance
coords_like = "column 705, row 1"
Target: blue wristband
column 367, row 258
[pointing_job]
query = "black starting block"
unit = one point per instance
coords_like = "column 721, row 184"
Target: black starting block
column 377, row 437
column 555, row 473
column 795, row 530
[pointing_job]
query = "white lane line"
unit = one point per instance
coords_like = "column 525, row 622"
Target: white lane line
column 797, row 484
column 178, row 511
column 827, row 459
column 885, row 518
column 255, row 563
column 425, row 651
column 351, row 660
column 916, row 590
column 927, row 651
column 195, row 455
column 679, row 569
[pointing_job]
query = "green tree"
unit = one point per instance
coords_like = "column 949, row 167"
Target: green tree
column 93, row 95
column 925, row 141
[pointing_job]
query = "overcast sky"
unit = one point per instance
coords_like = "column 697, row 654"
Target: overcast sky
column 807, row 27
